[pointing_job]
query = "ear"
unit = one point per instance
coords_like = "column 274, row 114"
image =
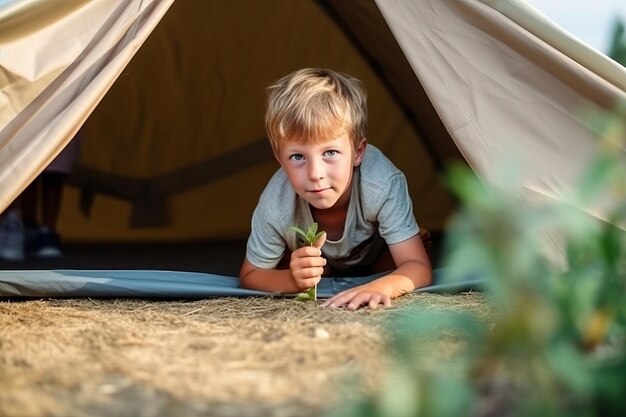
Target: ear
column 359, row 152
column 277, row 157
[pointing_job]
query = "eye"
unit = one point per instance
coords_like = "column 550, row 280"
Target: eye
column 330, row 153
column 296, row 157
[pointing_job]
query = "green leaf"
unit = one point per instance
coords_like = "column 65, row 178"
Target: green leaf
column 317, row 236
column 308, row 295
column 311, row 235
column 299, row 232
column 313, row 292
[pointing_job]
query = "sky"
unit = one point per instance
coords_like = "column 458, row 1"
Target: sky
column 589, row 20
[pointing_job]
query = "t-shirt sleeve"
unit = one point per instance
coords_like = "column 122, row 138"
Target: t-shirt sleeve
column 265, row 246
column 396, row 221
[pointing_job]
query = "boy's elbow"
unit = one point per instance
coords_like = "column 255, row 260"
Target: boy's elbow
column 428, row 280
column 243, row 282
column 246, row 280
column 245, row 274
column 424, row 274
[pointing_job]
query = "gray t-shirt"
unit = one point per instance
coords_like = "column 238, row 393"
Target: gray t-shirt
column 379, row 212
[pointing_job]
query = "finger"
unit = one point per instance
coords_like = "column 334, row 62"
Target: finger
column 354, row 304
column 386, row 301
column 359, row 300
column 305, row 263
column 338, row 300
column 377, row 300
column 304, row 285
column 306, row 251
column 374, row 302
column 320, row 242
column 308, row 273
column 328, row 302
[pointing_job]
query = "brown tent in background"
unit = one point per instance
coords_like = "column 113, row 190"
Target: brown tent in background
column 177, row 147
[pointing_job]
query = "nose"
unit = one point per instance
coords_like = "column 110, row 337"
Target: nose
column 316, row 170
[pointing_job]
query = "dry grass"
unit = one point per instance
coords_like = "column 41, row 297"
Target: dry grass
column 215, row 357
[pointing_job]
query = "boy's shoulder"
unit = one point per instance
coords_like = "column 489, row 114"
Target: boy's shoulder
column 278, row 194
column 376, row 169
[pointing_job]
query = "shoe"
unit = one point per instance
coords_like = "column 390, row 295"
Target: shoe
column 46, row 244
column 11, row 236
column 31, row 231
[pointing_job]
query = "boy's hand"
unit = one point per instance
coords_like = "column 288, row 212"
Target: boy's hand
column 364, row 295
column 307, row 264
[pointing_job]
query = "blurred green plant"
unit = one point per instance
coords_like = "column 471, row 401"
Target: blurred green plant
column 555, row 341
column 617, row 47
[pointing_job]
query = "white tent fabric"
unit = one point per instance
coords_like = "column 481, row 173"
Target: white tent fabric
column 508, row 84
column 525, row 15
column 57, row 61
column 511, row 88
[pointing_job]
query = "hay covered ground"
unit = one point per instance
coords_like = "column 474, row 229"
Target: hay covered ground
column 216, row 357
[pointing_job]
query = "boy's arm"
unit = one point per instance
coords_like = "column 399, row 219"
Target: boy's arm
column 271, row 280
column 413, row 270
column 305, row 270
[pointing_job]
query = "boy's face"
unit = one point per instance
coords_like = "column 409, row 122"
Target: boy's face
column 321, row 173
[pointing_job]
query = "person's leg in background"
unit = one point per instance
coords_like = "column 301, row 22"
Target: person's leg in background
column 45, row 241
column 29, row 225
column 42, row 204
column 12, row 234
column 29, row 206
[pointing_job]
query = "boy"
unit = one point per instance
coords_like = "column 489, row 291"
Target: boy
column 316, row 124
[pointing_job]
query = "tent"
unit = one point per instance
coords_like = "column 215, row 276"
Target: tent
column 170, row 99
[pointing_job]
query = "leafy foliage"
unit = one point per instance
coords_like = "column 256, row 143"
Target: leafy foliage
column 617, row 48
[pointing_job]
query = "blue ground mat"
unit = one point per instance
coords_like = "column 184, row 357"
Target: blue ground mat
column 73, row 283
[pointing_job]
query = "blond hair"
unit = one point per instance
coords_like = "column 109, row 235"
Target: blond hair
column 315, row 105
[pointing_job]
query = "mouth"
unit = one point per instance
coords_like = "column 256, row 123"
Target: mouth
column 317, row 191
